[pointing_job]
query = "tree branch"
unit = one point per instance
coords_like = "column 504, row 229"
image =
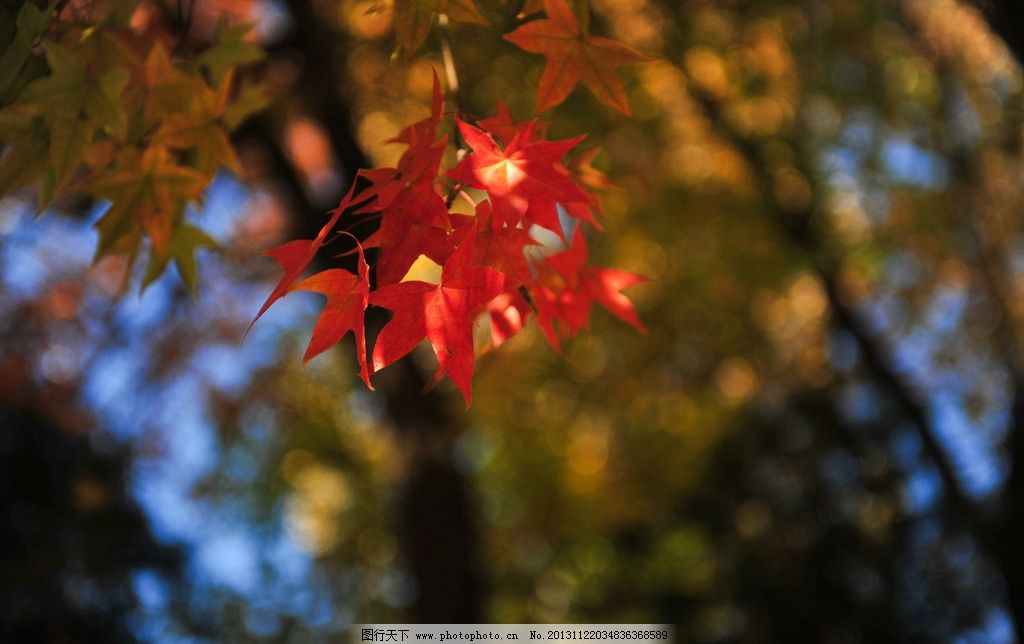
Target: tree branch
column 799, row 230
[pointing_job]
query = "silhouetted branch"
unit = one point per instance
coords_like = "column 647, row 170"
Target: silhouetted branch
column 799, row 229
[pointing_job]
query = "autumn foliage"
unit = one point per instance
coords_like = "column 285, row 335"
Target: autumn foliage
column 96, row 100
column 93, row 103
column 513, row 178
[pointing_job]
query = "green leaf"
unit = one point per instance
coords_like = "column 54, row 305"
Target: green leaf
column 148, row 193
column 25, row 135
column 251, row 98
column 117, row 13
column 229, row 50
column 186, row 240
column 170, row 88
column 200, row 130
column 74, row 106
column 30, row 24
column 14, row 121
column 33, row 68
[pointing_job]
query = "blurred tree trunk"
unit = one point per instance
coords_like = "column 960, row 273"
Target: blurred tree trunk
column 438, row 514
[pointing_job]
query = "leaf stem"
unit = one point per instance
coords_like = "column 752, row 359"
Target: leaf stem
column 451, row 77
column 452, row 80
column 449, row 61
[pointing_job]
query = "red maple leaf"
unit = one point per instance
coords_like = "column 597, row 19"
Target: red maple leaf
column 442, row 313
column 557, row 312
column 527, row 169
column 509, row 312
column 497, row 245
column 586, row 174
column 591, row 179
column 544, row 212
column 424, row 132
column 565, row 295
column 419, row 164
column 414, row 217
column 573, row 56
column 505, row 128
column 527, row 184
column 347, row 298
column 295, row 256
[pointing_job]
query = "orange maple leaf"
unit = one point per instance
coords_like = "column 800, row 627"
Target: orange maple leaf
column 347, row 298
column 413, row 18
column 574, row 56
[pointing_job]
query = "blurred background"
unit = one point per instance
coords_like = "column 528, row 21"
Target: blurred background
column 821, row 438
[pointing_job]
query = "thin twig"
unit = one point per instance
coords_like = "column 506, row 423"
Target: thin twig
column 185, row 19
column 452, row 78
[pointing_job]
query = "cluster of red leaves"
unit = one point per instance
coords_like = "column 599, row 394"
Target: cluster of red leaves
column 484, row 269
